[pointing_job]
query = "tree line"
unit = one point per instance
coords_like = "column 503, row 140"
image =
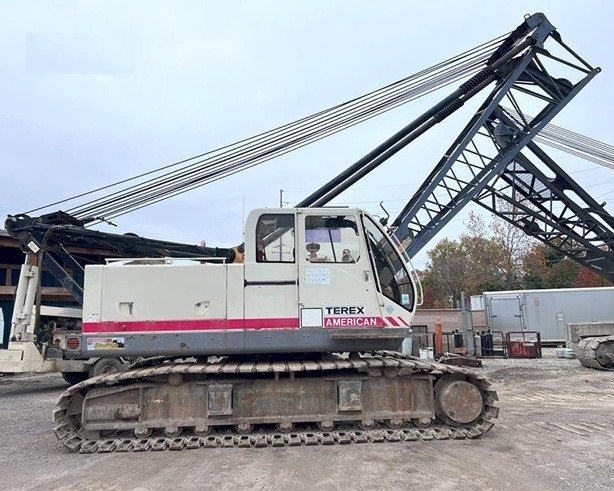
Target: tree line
column 494, row 256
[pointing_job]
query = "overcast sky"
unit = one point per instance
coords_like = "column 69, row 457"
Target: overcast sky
column 96, row 91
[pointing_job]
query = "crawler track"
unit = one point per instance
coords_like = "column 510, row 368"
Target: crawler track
column 597, row 352
column 381, row 367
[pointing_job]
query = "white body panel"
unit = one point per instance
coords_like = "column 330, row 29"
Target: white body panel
column 288, row 283
column 156, row 292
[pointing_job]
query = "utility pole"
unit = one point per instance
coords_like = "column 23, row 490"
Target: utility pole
column 281, row 205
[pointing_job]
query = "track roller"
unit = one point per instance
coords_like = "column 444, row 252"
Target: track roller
column 394, row 424
column 172, row 431
column 202, row 430
column 141, row 432
column 366, row 424
column 326, row 425
column 285, row 427
column 422, row 423
column 244, row 428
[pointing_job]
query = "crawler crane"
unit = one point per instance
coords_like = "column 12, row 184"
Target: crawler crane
column 294, row 336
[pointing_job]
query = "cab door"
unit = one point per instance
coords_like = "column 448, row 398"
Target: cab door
column 270, row 285
column 336, row 286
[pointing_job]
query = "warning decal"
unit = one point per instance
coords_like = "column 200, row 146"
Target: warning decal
column 94, row 344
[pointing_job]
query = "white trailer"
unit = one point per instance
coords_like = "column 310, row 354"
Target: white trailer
column 547, row 311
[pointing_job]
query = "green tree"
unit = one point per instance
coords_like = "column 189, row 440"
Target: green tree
column 447, row 271
column 535, row 267
column 496, row 255
column 429, row 300
column 562, row 274
column 486, row 271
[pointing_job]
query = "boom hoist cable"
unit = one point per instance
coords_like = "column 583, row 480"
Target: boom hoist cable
column 572, row 143
column 246, row 156
column 190, row 173
column 185, row 175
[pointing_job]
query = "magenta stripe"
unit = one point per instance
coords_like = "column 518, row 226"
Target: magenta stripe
column 190, row 325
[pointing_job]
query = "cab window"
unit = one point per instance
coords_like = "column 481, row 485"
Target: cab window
column 331, row 239
column 275, row 238
column 394, row 279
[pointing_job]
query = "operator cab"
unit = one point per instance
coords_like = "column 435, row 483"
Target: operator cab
column 313, row 280
column 337, row 266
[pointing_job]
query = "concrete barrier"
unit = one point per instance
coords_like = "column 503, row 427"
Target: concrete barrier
column 580, row 330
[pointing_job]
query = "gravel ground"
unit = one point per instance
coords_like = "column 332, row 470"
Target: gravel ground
column 555, row 431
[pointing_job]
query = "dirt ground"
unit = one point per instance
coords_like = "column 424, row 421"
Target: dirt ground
column 555, row 431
